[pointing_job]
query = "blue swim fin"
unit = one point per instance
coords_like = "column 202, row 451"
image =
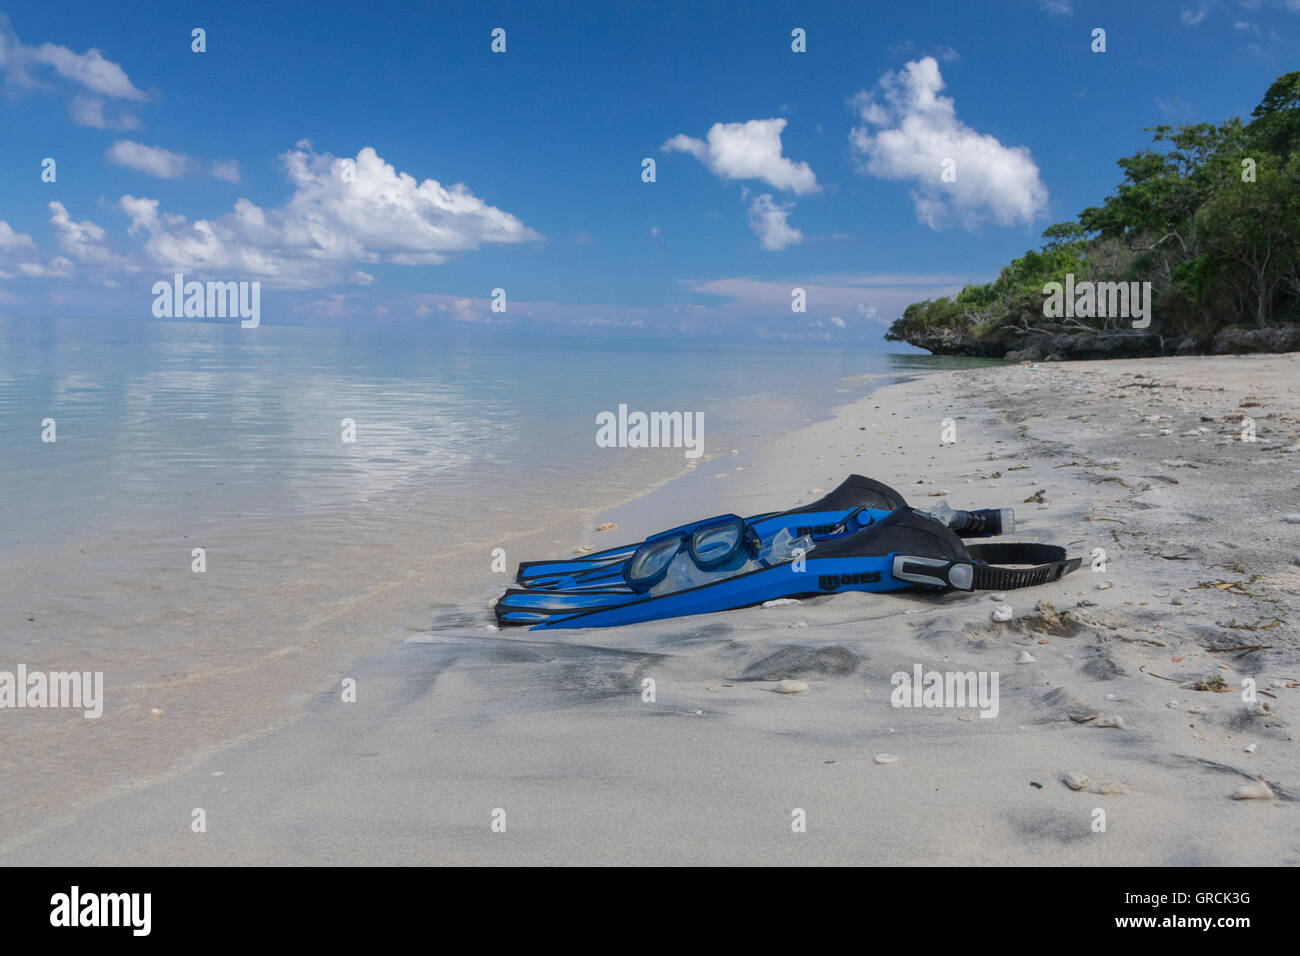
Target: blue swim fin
column 905, row 549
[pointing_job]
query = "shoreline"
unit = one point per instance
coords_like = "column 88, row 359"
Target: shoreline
column 454, row 720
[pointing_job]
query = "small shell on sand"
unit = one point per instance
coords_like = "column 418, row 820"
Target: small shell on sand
column 1002, row 612
column 1026, row 658
column 490, row 627
column 1104, row 585
column 607, row 526
column 1251, row 748
column 156, row 712
column 1173, row 705
column 1292, row 519
column 1258, row 790
column 780, row 602
column 1117, row 722
column 886, row 758
column 1075, row 780
column 1259, row 709
column 790, row 686
column 998, row 597
column 1196, row 709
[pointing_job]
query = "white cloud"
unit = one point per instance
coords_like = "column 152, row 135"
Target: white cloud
column 151, row 160
column 1061, row 7
column 227, row 169
column 17, row 251
column 85, row 241
column 1190, row 19
column 11, row 240
column 768, row 220
column 21, row 65
column 918, row 131
column 749, row 150
column 89, row 111
column 375, row 215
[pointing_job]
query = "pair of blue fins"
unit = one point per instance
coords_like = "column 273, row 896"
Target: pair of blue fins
column 862, row 536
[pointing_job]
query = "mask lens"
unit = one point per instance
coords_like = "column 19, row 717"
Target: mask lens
column 711, row 547
column 650, row 563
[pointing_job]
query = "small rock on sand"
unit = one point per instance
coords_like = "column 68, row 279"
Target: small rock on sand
column 1116, row 721
column 1292, row 519
column 1002, row 612
column 1258, row 790
column 1026, row 658
column 156, row 712
column 780, row 602
column 607, row 526
column 999, row 597
column 791, row 686
column 886, row 758
column 1251, row 748
column 1075, row 780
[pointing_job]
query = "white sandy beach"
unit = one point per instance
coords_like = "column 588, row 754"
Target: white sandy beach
column 455, row 721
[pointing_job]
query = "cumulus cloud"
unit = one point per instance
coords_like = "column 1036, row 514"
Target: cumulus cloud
column 343, row 212
column 768, row 220
column 749, row 150
column 86, row 242
column 23, row 67
column 1190, row 19
column 910, row 133
column 150, row 160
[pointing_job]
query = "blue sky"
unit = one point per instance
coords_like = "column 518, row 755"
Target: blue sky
column 775, row 169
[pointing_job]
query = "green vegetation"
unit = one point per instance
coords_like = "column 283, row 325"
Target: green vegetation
column 1210, row 216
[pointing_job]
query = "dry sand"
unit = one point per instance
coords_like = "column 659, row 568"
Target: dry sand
column 456, row 722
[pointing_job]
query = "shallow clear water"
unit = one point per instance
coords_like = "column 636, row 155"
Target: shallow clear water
column 203, row 423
